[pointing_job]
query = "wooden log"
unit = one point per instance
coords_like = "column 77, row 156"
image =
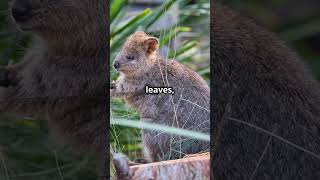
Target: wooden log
column 195, row 167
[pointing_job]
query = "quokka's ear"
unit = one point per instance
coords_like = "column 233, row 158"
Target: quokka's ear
column 151, row 44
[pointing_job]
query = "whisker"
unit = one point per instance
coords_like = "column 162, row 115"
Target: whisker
column 261, row 157
column 5, row 166
column 196, row 104
column 58, row 167
column 275, row 136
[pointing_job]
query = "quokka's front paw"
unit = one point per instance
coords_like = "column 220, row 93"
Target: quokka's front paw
column 121, row 163
column 4, row 77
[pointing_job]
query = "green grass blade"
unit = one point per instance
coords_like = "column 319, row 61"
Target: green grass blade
column 157, row 14
column 204, row 71
column 161, row 128
column 172, row 33
column 305, row 30
column 184, row 48
column 131, row 22
column 115, row 8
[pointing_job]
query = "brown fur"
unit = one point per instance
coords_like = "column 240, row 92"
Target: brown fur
column 148, row 68
column 64, row 74
column 259, row 81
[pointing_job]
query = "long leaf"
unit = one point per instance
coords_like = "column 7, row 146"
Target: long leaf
column 157, row 14
column 184, row 48
column 131, row 22
column 115, row 8
column 162, row 128
column 172, row 33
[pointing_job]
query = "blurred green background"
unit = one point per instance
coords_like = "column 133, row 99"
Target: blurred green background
column 294, row 21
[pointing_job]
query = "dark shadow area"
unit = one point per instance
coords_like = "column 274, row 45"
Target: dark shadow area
column 265, row 90
column 53, row 97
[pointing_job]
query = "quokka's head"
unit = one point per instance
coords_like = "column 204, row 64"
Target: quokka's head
column 136, row 53
column 52, row 17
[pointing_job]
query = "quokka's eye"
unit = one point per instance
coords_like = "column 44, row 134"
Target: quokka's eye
column 130, row 57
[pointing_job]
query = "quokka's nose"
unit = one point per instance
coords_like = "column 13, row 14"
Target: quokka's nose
column 116, row 65
column 21, row 10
